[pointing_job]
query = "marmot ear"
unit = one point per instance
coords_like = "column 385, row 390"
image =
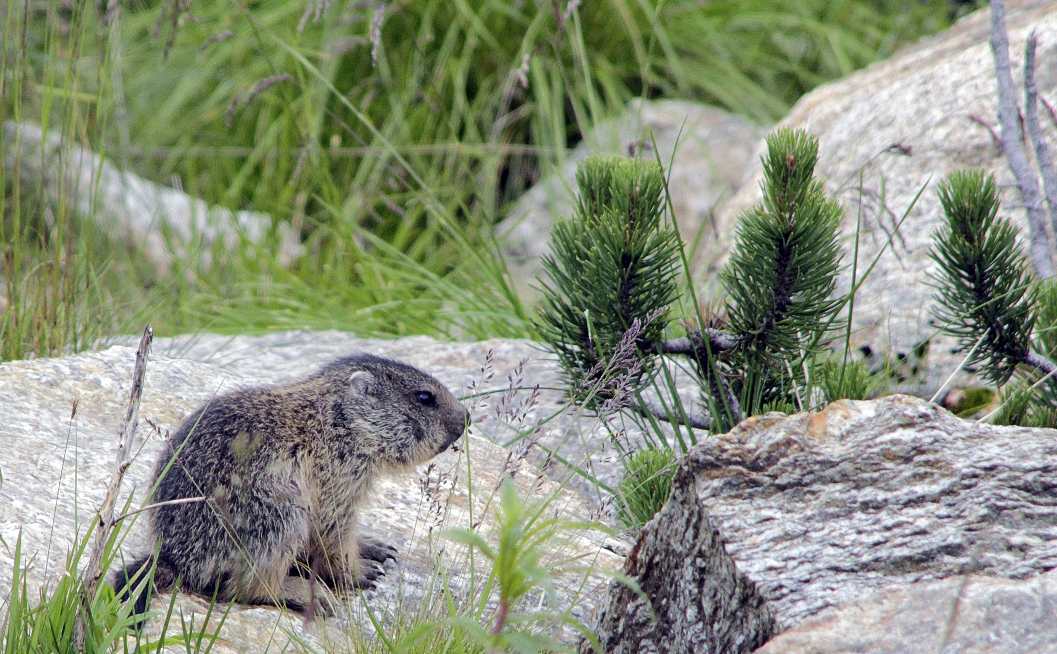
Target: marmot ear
column 361, row 382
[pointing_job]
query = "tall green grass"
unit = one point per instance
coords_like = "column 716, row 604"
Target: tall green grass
column 391, row 136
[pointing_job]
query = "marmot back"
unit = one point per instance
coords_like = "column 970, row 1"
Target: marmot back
column 284, row 472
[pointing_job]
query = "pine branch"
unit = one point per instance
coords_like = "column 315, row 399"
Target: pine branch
column 694, row 347
column 1012, row 144
column 694, row 420
column 1040, row 362
column 984, row 291
column 693, row 343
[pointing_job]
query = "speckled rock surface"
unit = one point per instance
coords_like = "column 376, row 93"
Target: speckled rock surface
column 56, row 468
column 903, row 124
column 822, row 509
column 959, row 615
column 693, row 597
column 710, row 163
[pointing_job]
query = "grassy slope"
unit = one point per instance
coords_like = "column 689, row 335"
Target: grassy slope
column 391, row 140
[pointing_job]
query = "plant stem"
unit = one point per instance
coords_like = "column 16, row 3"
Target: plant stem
column 500, row 617
column 1031, row 120
column 94, row 571
column 1012, row 144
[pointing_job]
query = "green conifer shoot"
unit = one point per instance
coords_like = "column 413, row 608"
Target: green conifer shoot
column 984, row 285
column 614, row 263
column 782, row 272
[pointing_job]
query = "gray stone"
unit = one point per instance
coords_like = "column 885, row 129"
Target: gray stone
column 821, row 509
column 903, row 124
column 700, row 601
column 166, row 222
column 964, row 615
column 57, row 463
column 710, row 163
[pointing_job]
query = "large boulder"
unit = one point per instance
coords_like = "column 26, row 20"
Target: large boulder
column 712, row 151
column 691, row 597
column 61, row 419
column 821, row 509
column 899, row 126
column 806, row 517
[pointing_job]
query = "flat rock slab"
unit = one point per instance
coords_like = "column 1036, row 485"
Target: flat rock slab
column 57, row 462
column 822, row 509
column 960, row 615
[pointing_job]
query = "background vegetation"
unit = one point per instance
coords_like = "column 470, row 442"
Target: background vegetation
column 391, row 136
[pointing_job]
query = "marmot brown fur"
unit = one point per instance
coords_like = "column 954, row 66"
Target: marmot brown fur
column 285, row 472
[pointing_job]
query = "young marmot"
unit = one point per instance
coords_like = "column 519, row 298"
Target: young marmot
column 284, row 472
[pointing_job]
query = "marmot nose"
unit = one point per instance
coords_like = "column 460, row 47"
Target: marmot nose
column 458, row 428
column 464, row 424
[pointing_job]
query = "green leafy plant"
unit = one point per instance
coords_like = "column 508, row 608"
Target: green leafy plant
column 850, row 380
column 46, row 622
column 1015, row 405
column 519, row 566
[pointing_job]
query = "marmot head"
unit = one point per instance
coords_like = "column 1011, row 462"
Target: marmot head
column 399, row 415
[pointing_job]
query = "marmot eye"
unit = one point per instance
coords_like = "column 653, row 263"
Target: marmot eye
column 425, row 398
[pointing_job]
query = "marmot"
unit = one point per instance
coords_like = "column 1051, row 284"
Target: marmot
column 284, row 472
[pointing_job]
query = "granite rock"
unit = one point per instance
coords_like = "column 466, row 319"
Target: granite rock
column 822, row 509
column 693, row 598
column 964, row 615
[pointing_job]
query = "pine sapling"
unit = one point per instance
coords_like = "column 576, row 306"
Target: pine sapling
column 616, row 262
column 613, row 268
column 988, row 299
column 782, row 273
